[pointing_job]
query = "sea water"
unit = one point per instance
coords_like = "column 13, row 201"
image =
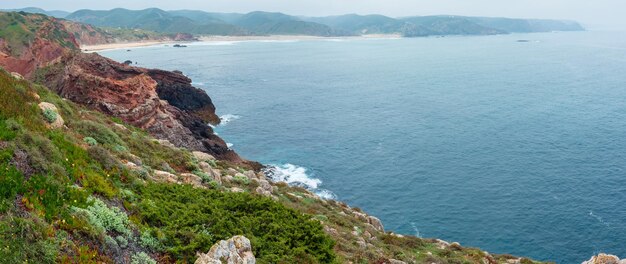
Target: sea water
column 514, row 147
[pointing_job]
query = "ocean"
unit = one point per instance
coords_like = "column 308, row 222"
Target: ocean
column 512, row 146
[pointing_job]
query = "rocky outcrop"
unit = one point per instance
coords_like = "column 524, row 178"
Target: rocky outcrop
column 236, row 250
column 161, row 102
column 36, row 41
column 176, row 89
column 605, row 259
column 131, row 94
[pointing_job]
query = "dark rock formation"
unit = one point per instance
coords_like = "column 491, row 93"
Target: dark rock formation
column 176, row 88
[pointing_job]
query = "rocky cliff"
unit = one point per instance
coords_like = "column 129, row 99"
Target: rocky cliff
column 161, row 102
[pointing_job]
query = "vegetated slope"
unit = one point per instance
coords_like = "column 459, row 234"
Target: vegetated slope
column 266, row 23
column 154, row 19
column 80, row 186
column 86, row 34
column 357, row 24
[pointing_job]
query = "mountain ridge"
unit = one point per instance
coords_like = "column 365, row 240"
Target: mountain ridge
column 275, row 23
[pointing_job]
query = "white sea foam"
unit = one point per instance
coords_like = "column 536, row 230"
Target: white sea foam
column 599, row 219
column 229, row 145
column 228, row 118
column 417, row 231
column 297, row 176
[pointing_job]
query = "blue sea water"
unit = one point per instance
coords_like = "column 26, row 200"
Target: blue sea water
column 513, row 147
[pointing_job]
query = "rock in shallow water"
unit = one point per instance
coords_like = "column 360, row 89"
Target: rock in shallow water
column 236, row 250
column 605, row 259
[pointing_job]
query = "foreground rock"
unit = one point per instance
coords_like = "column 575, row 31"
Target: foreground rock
column 57, row 121
column 605, row 259
column 236, row 250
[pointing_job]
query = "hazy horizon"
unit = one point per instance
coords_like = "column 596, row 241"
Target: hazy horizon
column 600, row 14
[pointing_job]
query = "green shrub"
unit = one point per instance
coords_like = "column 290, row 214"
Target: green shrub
column 111, row 243
column 205, row 177
column 105, row 219
column 241, row 179
column 121, row 241
column 90, row 141
column 149, row 241
column 142, row 258
column 50, row 115
column 192, row 220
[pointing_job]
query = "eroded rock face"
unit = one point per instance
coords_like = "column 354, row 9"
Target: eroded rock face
column 131, row 94
column 176, row 89
column 236, row 250
column 161, row 102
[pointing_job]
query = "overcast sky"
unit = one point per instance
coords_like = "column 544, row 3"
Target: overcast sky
column 592, row 13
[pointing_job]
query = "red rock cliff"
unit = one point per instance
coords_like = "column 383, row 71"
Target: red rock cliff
column 161, row 102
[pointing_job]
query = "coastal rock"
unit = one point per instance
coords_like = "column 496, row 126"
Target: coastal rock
column 58, row 122
column 192, row 179
column 605, row 259
column 161, row 102
column 376, row 223
column 176, row 89
column 164, row 176
column 265, row 188
column 236, row 250
column 201, row 156
column 250, row 174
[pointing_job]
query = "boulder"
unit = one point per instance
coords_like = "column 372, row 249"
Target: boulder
column 265, row 188
column 236, row 250
column 164, row 176
column 250, row 174
column 192, row 179
column 605, row 259
column 17, row 76
column 376, row 223
column 201, row 156
column 58, row 122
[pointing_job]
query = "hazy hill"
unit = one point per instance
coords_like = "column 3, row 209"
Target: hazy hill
column 358, row 24
column 157, row 20
column 449, row 25
column 266, row 23
column 35, row 10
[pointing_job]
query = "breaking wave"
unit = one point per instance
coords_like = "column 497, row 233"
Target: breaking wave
column 297, row 176
column 225, row 119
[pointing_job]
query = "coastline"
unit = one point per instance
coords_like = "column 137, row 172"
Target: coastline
column 209, row 39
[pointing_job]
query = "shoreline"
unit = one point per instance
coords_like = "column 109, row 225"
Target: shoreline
column 210, row 39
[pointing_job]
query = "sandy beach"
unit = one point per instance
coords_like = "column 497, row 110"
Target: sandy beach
column 128, row 45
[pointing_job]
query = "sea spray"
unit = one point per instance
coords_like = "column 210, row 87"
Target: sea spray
column 297, row 176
